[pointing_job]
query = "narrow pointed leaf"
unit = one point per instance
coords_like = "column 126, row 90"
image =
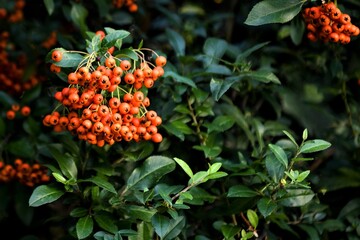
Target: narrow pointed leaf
column 44, row 194
column 316, row 145
column 279, row 154
column 184, row 166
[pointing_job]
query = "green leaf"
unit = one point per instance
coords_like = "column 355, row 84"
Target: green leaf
column 127, row 53
column 105, row 221
column 78, row 14
column 177, row 41
column 178, row 128
column 199, row 196
column 167, row 228
column 253, row 218
column 179, row 79
column 214, row 167
column 243, row 55
column 218, row 69
column 315, row 145
column 331, row 225
column 21, row 148
column 311, row 231
column 6, row 99
column 150, row 172
column 216, row 175
column 112, row 36
column 199, row 177
column 264, row 76
column 31, row 94
column 229, row 230
column 184, row 166
column 291, row 138
column 352, row 208
column 241, row 191
column 219, row 87
column 79, row 212
column 274, row 167
column 266, row 206
column 296, row 197
column 221, row 124
column 139, row 212
column 302, row 176
column 59, row 177
column 279, row 154
column 297, row 30
column 209, row 151
column 144, row 231
column 101, row 182
column 84, row 227
column 50, row 6
column 305, row 134
column 44, row 194
column 273, row 11
column 65, row 161
column 214, row 49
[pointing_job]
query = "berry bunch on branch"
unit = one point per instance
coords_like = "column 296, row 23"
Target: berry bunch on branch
column 26, row 173
column 106, row 99
column 328, row 24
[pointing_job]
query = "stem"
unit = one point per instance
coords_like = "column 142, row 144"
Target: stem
column 348, row 110
column 182, row 191
column 193, row 116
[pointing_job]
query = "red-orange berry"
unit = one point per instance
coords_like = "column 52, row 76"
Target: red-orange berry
column 125, row 65
column 25, row 111
column 160, row 61
column 157, row 138
column 100, row 33
column 10, row 114
column 54, row 68
column 56, row 55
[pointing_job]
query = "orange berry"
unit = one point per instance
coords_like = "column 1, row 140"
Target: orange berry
column 157, row 137
column 56, row 55
column 15, row 107
column 125, row 65
column 25, row 111
column 110, row 62
column 54, row 68
column 10, row 114
column 101, row 33
column 160, row 61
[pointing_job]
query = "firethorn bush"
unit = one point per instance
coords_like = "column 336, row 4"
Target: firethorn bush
column 179, row 119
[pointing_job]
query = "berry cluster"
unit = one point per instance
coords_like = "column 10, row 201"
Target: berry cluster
column 50, row 41
column 12, row 72
column 16, row 14
column 327, row 23
column 130, row 4
column 16, row 108
column 27, row 174
column 105, row 101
